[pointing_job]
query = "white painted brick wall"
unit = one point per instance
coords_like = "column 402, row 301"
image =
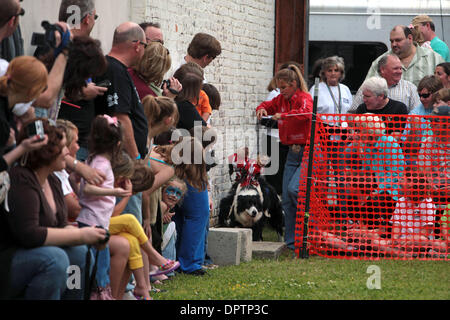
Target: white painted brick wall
column 245, row 29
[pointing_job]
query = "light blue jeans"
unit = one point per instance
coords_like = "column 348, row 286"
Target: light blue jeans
column 42, row 273
column 291, row 182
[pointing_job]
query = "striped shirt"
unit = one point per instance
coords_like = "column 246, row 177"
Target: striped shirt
column 423, row 64
column 404, row 91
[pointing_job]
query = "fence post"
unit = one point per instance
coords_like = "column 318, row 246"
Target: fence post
column 304, row 252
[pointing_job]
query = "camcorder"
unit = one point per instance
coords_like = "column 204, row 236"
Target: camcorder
column 167, row 82
column 48, row 38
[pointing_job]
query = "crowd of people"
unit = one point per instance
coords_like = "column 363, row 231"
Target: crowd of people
column 87, row 141
column 410, row 79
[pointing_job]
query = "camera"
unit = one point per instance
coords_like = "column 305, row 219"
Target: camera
column 167, row 82
column 36, row 128
column 48, row 38
column 105, row 83
column 106, row 237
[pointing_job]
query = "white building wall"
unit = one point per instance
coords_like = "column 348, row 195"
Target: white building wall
column 241, row 73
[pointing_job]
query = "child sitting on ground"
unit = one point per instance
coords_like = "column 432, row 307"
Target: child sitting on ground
column 172, row 194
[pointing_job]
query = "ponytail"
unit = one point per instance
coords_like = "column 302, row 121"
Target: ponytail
column 156, row 109
column 290, row 74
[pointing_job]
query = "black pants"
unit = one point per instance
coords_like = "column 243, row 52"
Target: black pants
column 276, row 180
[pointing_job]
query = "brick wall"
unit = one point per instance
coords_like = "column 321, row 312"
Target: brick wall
column 241, row 73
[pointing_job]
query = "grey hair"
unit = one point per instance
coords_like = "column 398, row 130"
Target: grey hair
column 376, row 85
column 128, row 34
column 86, row 7
column 383, row 61
column 331, row 62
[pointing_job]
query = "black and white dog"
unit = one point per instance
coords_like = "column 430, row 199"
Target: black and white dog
column 252, row 205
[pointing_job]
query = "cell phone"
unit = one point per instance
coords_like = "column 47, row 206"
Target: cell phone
column 36, row 129
column 105, row 83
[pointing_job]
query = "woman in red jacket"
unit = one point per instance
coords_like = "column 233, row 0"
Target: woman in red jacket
column 294, row 99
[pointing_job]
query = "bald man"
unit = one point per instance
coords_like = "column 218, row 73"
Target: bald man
column 417, row 62
column 122, row 100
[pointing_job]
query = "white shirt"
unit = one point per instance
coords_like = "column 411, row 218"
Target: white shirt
column 326, row 104
column 412, row 218
column 3, row 67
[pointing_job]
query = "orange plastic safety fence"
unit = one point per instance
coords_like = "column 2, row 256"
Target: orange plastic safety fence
column 379, row 188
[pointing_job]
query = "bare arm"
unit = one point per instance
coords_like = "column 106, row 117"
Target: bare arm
column 74, row 236
column 128, row 135
column 92, row 190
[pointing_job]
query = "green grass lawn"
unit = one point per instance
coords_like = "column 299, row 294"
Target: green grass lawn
column 289, row 278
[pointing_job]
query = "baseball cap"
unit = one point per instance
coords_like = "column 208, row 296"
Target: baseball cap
column 421, row 19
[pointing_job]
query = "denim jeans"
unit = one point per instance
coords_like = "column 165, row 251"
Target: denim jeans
column 291, row 179
column 42, row 273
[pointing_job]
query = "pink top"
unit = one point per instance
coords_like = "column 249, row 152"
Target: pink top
column 95, row 210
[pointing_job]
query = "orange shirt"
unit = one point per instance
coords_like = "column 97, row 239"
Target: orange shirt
column 203, row 105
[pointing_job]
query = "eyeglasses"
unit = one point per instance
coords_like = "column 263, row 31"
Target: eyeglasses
column 174, row 191
column 424, row 95
column 20, row 13
column 95, row 16
column 140, row 42
column 156, row 40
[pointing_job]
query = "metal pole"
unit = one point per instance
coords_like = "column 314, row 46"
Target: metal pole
column 304, row 252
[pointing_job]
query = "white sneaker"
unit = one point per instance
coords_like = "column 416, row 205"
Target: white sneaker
column 128, row 296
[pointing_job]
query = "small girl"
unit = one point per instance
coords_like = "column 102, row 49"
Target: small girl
column 70, row 189
column 98, row 202
column 192, row 216
column 172, row 194
column 128, row 226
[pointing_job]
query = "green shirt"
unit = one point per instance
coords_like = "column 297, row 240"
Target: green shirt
column 423, row 64
column 440, row 47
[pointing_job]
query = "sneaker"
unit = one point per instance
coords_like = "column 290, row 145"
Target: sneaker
column 199, row 272
column 129, row 296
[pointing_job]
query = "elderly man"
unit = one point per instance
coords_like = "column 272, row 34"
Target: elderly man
column 390, row 68
column 426, row 27
column 376, row 101
column 417, row 62
column 121, row 99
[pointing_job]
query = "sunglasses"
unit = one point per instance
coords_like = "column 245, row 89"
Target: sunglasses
column 424, row 95
column 140, row 42
column 174, row 191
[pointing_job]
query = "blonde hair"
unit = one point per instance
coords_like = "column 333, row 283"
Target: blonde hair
column 154, row 64
column 69, row 129
column 156, row 109
column 290, row 74
column 26, row 76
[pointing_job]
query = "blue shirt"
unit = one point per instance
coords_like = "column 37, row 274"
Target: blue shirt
column 386, row 160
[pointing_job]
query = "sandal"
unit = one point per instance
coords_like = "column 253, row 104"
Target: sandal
column 166, row 268
column 139, row 297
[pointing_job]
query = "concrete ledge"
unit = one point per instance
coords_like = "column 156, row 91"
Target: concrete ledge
column 267, row 250
column 230, row 246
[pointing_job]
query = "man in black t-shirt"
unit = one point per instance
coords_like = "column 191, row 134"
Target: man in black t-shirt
column 122, row 100
column 376, row 101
